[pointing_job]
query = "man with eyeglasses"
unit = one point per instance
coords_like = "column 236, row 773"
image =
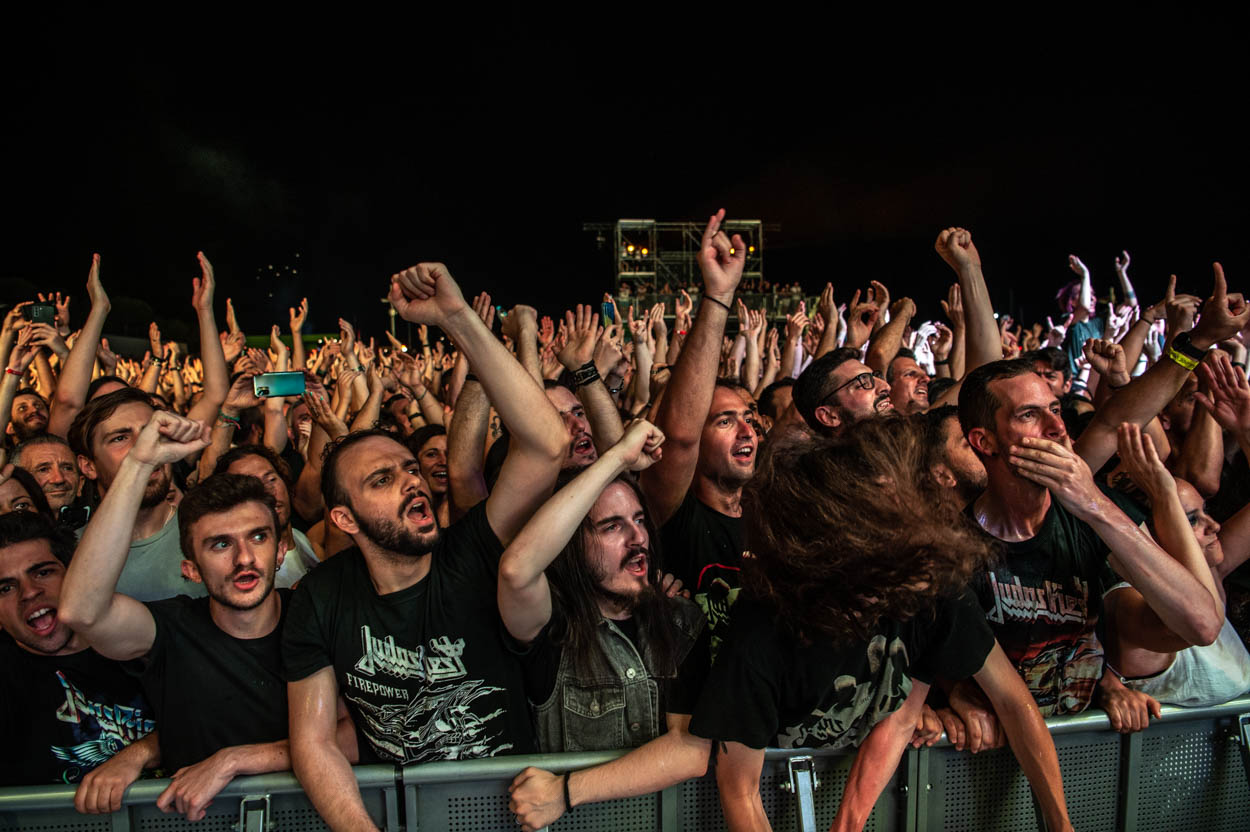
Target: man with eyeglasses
column 838, row 390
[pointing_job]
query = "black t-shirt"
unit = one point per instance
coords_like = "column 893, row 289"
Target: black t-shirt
column 1043, row 600
column 425, row 671
column 767, row 688
column 61, row 716
column 704, row 549
column 210, row 690
column 541, row 663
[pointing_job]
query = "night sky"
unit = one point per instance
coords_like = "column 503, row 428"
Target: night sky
column 366, row 144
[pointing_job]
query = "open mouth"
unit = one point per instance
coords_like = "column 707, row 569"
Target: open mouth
column 246, row 581
column 884, row 404
column 42, row 621
column 418, row 511
column 636, row 565
column 744, row 452
column 439, row 475
column 583, row 446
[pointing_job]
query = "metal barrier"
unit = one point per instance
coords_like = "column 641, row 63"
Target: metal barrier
column 1189, row 771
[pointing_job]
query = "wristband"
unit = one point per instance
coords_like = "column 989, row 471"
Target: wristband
column 12, row 372
column 225, row 417
column 1183, row 344
column 1182, row 359
column 568, row 801
column 586, row 374
column 1240, row 364
column 1117, row 386
column 470, row 377
column 943, row 361
column 718, row 302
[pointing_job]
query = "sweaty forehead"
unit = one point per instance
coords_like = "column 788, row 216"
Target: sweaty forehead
column 617, row 500
column 725, row 399
column 372, row 453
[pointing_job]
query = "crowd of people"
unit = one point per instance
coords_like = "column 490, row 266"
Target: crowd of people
column 695, row 541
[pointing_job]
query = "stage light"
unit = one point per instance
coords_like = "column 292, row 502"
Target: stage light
column 630, row 249
column 751, row 249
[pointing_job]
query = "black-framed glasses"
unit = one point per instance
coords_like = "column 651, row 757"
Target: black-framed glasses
column 866, row 381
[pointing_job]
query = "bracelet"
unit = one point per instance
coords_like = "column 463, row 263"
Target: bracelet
column 586, row 374
column 943, row 361
column 718, row 303
column 1240, row 364
column 568, row 801
column 470, row 377
column 225, row 417
column 1117, row 386
column 12, row 372
column 1182, row 359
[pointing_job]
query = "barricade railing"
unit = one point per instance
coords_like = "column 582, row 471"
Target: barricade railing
column 1188, row 771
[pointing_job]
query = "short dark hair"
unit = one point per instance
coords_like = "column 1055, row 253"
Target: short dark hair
column 421, row 435
column 769, row 393
column 935, row 441
column 1054, row 358
column 28, row 481
column 29, row 391
column 939, row 385
column 816, row 382
column 977, row 405
column 97, row 383
column 218, row 493
column 332, row 491
column 21, row 526
column 264, row 452
column 96, row 411
column 41, row 439
column 903, row 352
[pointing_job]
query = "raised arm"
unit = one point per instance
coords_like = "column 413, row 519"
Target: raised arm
column 298, row 317
column 889, row 338
column 426, row 293
column 466, row 449
column 1135, row 622
column 983, row 342
column 688, row 396
column 212, row 357
column 71, row 391
column 523, row 594
column 585, row 334
column 1172, row 591
column 115, row 625
column 1223, row 315
column 521, row 325
column 321, row 766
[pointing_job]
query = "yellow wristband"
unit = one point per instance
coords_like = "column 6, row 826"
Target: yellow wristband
column 1182, row 359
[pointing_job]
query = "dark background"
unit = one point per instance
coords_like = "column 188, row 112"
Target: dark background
column 340, row 149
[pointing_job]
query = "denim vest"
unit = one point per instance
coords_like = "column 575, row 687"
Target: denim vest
column 616, row 709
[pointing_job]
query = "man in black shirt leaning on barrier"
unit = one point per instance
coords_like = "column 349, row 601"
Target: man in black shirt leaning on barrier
column 210, row 666
column 406, row 625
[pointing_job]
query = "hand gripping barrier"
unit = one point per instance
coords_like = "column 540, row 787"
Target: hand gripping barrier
column 1188, row 771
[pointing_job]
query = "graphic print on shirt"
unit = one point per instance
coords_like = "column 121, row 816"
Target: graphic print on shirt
column 1062, row 659
column 116, row 726
column 437, row 722
column 715, row 593
column 858, row 704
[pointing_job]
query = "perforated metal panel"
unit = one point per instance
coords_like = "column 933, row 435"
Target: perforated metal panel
column 483, row 807
column 701, row 812
column 54, row 821
column 1192, row 779
column 989, row 791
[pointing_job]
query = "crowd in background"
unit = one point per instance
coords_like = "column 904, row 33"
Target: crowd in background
column 695, row 531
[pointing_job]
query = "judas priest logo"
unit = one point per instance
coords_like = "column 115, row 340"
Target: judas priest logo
column 1016, row 602
column 385, row 656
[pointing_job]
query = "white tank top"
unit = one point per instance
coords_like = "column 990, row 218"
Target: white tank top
column 1205, row 675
